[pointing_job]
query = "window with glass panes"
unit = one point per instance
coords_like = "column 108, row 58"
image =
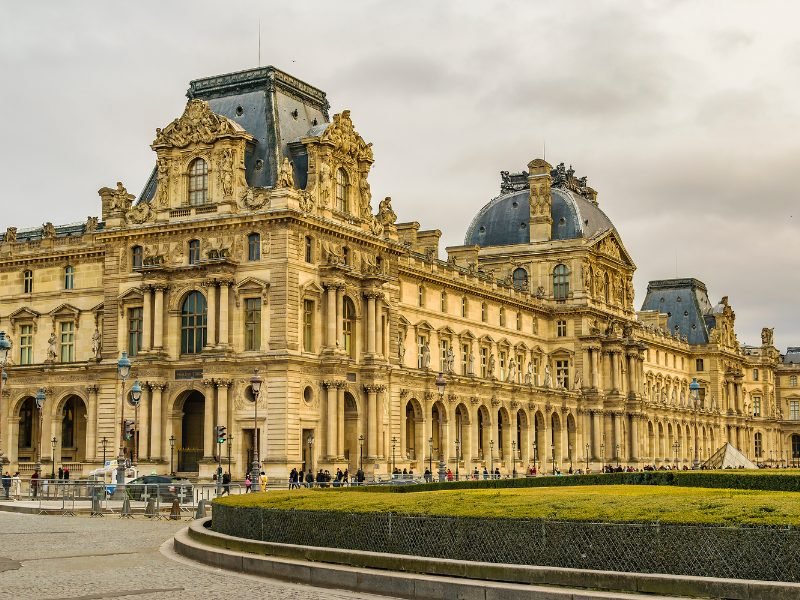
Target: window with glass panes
column 758, row 444
column 483, row 312
column 484, row 361
column 698, row 364
column 560, row 283
column 69, row 277
column 421, row 341
column 252, row 324
column 342, row 191
column 254, row 247
column 444, row 346
column 308, row 325
column 194, row 252
column 194, row 316
column 67, row 329
column 562, row 373
column 420, row 295
column 502, row 366
column 502, row 317
column 519, row 321
column 349, row 326
column 464, row 307
column 27, row 282
column 464, row 359
column 794, row 410
column 198, row 182
column 134, row 330
column 309, row 250
column 26, row 345
column 520, row 364
column 137, row 255
column 561, row 328
column 756, row 406
column 755, row 374
column 793, row 380
column 443, row 302
column 535, row 374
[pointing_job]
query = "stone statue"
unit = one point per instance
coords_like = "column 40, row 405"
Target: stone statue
column 426, row 356
column 286, row 175
column 366, row 196
column 529, row 373
column 766, row 336
column 491, row 366
column 226, row 173
column 51, row 347
column 386, row 215
column 163, row 182
column 512, row 370
column 324, row 184
column 450, row 360
column 471, row 364
column 578, row 384
column 11, row 235
column 91, row 225
column 401, row 349
column 548, row 378
column 48, row 231
column 96, row 343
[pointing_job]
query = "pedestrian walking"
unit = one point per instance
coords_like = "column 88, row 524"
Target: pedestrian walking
column 247, row 483
column 66, row 473
column 35, row 483
column 16, row 486
column 263, row 481
column 310, row 479
column 226, row 484
column 60, row 473
column 7, row 484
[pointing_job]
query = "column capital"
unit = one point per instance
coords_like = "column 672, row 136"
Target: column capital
column 376, row 388
column 225, row 282
column 146, row 288
column 209, row 283
column 208, row 383
column 92, row 388
column 222, row 383
column 157, row 385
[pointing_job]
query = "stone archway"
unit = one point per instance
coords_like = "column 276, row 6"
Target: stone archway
column 72, row 431
column 191, row 438
column 29, row 435
column 353, row 436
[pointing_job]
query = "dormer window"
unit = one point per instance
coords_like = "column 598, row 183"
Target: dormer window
column 198, row 182
column 342, row 191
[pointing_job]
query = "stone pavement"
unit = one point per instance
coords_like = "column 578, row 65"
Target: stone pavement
column 80, row 558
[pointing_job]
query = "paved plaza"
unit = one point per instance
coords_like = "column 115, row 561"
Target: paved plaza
column 82, row 558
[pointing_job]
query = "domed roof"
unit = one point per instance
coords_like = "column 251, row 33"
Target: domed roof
column 504, row 220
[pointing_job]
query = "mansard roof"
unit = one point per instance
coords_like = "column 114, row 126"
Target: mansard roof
column 686, row 303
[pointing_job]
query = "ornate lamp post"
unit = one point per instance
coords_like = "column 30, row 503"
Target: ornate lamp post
column 255, row 469
column 135, row 398
column 694, row 393
column 104, row 442
column 441, row 384
column 230, row 442
column 430, row 457
column 587, row 457
column 310, row 452
column 171, row 453
column 491, row 457
column 458, row 455
column 53, row 443
column 40, row 399
column 570, row 456
column 124, row 371
column 394, row 445
column 675, row 446
column 603, row 453
column 514, row 458
column 553, row 454
column 5, row 347
column 361, row 452
column 616, row 451
column 535, row 456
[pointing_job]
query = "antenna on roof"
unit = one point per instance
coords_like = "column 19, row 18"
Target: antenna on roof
column 259, row 42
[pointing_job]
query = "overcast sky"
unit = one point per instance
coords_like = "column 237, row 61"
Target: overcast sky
column 683, row 115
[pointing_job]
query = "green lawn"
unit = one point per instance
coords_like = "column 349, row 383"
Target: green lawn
column 614, row 503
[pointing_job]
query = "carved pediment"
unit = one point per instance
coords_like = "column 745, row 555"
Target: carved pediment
column 611, row 246
column 65, row 311
column 24, row 315
column 197, row 124
column 343, row 137
column 251, row 286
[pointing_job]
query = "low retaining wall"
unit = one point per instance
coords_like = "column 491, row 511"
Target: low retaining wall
column 759, row 553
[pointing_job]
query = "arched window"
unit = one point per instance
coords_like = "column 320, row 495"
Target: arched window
column 194, row 252
column 520, row 276
column 69, row 277
column 444, row 302
column 198, row 182
column 758, row 444
column 137, row 256
column 193, row 323
column 349, row 327
column 560, row 283
column 342, row 191
column 254, row 246
column 68, row 424
column 27, row 282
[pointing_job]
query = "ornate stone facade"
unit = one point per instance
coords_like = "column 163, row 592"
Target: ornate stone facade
column 349, row 317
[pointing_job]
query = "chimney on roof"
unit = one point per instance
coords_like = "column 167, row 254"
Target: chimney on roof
column 541, row 219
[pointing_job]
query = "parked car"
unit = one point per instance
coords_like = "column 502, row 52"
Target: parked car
column 167, row 488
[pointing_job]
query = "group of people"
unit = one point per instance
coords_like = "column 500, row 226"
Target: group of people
column 300, row 478
column 12, row 486
column 248, row 482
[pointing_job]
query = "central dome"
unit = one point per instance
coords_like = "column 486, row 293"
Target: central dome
column 505, row 220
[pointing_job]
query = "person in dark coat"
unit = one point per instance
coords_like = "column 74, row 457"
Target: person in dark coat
column 35, row 483
column 60, row 473
column 66, row 473
column 310, row 479
column 7, row 484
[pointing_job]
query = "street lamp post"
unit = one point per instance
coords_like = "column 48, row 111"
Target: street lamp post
column 230, row 442
column 675, row 446
column 134, row 398
column 535, row 457
column 603, row 454
column 587, row 457
column 53, row 443
column 458, row 455
column 441, row 384
column 394, row 445
column 5, row 347
column 514, row 458
column 430, row 458
column 255, row 469
column 570, row 456
column 104, row 442
column 361, row 453
column 694, row 392
column 171, row 453
column 491, row 457
column 40, row 399
column 616, row 451
column 553, row 456
column 311, row 451
column 124, row 371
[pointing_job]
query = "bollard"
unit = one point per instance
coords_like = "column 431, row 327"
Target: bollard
column 201, row 510
column 175, row 511
column 97, row 509
column 126, row 509
column 150, row 509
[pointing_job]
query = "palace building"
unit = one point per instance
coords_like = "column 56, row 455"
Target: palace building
column 256, row 244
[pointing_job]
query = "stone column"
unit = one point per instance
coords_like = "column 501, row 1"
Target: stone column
column 211, row 323
column 158, row 319
column 594, row 352
column 379, row 325
column 143, row 424
column 731, row 397
column 564, row 458
column 147, row 321
column 618, row 453
column 370, row 325
column 382, row 437
column 597, row 434
column 340, row 420
column 208, row 419
column 737, row 388
column 372, row 420
column 634, row 454
column 224, row 286
column 330, row 337
column 91, row 424
column 12, row 430
column 332, row 428
column 614, row 362
column 339, row 325
column 156, row 452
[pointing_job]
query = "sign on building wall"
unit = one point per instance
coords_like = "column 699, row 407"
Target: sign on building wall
column 188, row 374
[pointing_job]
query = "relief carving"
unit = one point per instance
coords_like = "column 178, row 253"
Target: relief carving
column 198, row 124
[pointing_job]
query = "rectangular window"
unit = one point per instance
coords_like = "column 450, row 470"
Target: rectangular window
column 445, row 345
column 756, row 406
column 794, row 410
column 758, row 445
column 67, row 341
column 502, row 366
column 69, row 278
column 562, row 373
column 520, row 364
column 194, row 252
column 136, row 257
column 308, row 325
column 254, row 247
column 484, row 360
column 699, row 366
column 27, row 282
column 134, row 330
column 755, row 374
column 465, row 359
column 519, row 321
column 309, row 252
column 464, row 308
column 421, row 342
column 561, row 328
column 535, row 374
column 252, row 324
column 793, row 380
column 26, row 345
column 443, row 305
column 483, row 312
column 421, row 296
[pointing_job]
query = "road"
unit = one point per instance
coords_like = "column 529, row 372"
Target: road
column 83, row 558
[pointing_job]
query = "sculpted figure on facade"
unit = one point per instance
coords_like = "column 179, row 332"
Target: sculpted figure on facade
column 548, row 377
column 96, row 344
column 529, row 373
column 254, row 198
column 386, row 216
column 512, row 370
column 141, row 213
column 324, row 184
column 11, row 235
column 578, row 383
column 286, row 175
column 91, row 225
column 48, row 231
column 226, row 173
column 471, row 363
column 426, row 356
column 365, row 196
column 450, row 360
column 490, row 372
column 51, row 347
column 766, row 336
column 162, row 187
column 198, row 124
column 401, row 349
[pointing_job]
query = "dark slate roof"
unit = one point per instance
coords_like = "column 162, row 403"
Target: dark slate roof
column 272, row 106
column 686, row 303
column 792, row 356
column 504, row 220
column 69, row 230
